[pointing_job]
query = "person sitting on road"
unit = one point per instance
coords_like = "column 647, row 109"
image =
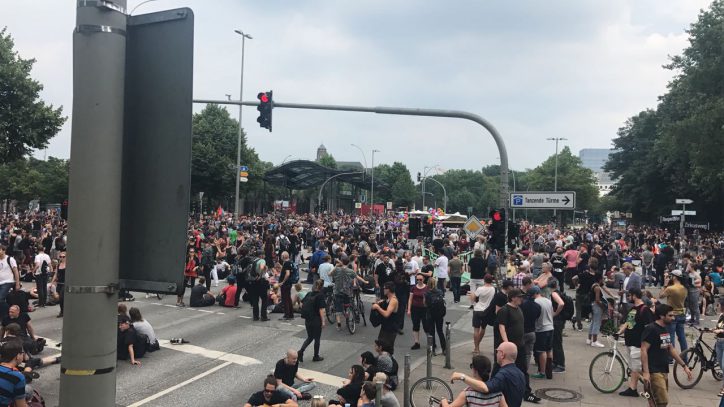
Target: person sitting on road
column 481, row 368
column 144, row 327
column 122, row 309
column 367, row 395
column 349, row 393
column 270, row 396
column 369, row 363
column 12, row 382
column 27, row 333
column 388, row 398
column 12, row 331
column 200, row 295
column 129, row 344
column 285, row 371
column 228, row 293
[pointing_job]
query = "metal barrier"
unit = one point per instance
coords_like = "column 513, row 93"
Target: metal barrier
column 428, row 371
column 406, row 383
column 378, row 393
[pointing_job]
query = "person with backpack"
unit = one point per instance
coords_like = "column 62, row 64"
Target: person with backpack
column 41, row 266
column 492, row 262
column 563, row 311
column 436, row 310
column 257, row 286
column 9, row 275
column 313, row 312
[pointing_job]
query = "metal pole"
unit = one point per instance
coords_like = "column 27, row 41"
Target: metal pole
column 444, row 192
column 88, row 370
column 447, row 345
column 428, row 369
column 372, row 192
column 378, row 393
column 321, row 188
column 406, row 383
column 364, row 157
column 681, row 222
column 555, row 176
column 513, row 172
column 239, row 135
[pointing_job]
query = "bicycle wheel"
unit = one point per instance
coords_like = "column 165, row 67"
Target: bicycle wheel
column 350, row 316
column 330, row 310
column 426, row 388
column 695, row 361
column 160, row 296
column 361, row 310
column 607, row 373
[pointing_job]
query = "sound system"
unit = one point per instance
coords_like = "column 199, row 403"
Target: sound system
column 414, row 228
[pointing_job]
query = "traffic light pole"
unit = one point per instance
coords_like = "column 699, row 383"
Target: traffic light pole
column 88, row 368
column 459, row 114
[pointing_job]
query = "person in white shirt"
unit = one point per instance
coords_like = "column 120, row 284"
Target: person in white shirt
column 9, row 276
column 144, row 327
column 543, row 333
column 483, row 299
column 220, row 267
column 41, row 267
column 412, row 267
column 324, row 270
column 441, row 271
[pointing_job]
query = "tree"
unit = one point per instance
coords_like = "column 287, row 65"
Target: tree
column 328, row 161
column 401, row 190
column 675, row 150
column 26, row 122
column 466, row 189
column 29, row 179
column 213, row 159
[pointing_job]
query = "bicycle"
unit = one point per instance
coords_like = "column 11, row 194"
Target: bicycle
column 696, row 361
column 359, row 305
column 329, row 304
column 350, row 315
column 609, row 369
column 428, row 391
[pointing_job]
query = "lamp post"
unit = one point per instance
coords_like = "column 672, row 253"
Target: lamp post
column 555, row 176
column 372, row 192
column 364, row 157
column 424, row 177
column 238, row 141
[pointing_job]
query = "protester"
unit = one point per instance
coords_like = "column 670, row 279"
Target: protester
column 636, row 320
column 483, row 311
column 387, row 307
column 416, row 309
column 436, row 311
column 200, row 295
column 349, row 393
column 144, row 327
column 481, row 369
column 12, row 382
column 388, row 398
column 313, row 312
column 286, row 371
column 675, row 293
column 130, row 346
column 59, row 281
column 270, row 396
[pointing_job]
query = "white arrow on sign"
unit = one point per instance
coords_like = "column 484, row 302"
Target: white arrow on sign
column 543, row 200
column 683, row 201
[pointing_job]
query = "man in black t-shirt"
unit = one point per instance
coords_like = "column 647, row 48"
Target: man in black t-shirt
column 584, row 281
column 656, row 347
column 270, row 396
column 200, row 296
column 128, row 345
column 285, row 371
column 636, row 320
column 383, row 273
column 510, row 322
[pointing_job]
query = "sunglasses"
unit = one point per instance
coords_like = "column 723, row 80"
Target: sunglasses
column 62, row 257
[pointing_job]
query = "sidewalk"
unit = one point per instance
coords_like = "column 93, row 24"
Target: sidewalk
column 578, row 358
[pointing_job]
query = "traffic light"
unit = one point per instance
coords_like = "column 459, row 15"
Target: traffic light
column 419, row 177
column 497, row 229
column 64, row 210
column 265, row 109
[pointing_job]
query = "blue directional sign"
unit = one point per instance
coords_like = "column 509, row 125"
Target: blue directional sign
column 543, row 199
column 243, row 168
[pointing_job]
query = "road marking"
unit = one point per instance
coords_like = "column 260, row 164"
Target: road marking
column 178, row 386
column 323, row 378
column 244, row 316
column 171, row 306
column 211, row 354
column 205, row 310
column 219, row 313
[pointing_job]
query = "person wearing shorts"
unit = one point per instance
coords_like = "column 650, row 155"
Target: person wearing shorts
column 482, row 299
column 656, row 347
column 543, row 334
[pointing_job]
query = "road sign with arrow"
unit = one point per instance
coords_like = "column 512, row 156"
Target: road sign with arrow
column 543, row 200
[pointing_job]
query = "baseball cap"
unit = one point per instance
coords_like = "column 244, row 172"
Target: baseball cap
column 677, row 273
column 533, row 290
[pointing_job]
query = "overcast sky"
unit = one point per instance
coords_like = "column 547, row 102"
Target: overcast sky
column 535, row 69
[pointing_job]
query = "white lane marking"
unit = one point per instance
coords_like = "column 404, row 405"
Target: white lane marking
column 171, row 306
column 178, row 386
column 211, row 354
column 205, row 310
column 244, row 316
column 219, row 313
column 323, row 378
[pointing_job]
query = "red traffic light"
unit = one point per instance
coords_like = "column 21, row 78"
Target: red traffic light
column 497, row 216
column 264, row 98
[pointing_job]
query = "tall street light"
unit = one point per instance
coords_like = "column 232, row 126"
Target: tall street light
column 364, row 157
column 238, row 141
column 555, row 176
column 424, row 176
column 372, row 192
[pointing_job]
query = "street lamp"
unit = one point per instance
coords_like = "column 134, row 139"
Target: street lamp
column 372, row 192
column 364, row 157
column 555, row 177
column 238, row 141
column 285, row 159
column 424, row 176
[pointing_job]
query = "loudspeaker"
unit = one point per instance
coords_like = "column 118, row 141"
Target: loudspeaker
column 414, row 228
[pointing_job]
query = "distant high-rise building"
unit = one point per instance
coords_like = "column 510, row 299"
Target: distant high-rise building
column 321, row 152
column 594, row 159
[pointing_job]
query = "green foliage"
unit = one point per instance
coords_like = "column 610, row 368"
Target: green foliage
column 328, row 161
column 28, row 179
column 402, row 191
column 214, row 157
column 466, row 188
column 675, row 151
column 26, row 122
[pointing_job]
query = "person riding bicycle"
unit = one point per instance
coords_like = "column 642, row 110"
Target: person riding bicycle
column 344, row 279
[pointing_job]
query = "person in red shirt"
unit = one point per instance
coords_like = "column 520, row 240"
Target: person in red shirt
column 229, row 292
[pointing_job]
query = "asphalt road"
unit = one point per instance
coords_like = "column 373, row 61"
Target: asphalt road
column 228, row 355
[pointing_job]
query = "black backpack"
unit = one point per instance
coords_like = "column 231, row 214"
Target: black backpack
column 44, row 268
column 569, row 309
column 252, row 271
column 308, row 305
column 436, row 306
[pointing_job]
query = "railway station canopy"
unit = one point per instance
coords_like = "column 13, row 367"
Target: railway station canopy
column 304, row 174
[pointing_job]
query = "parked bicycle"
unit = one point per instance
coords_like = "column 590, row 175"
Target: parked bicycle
column 359, row 305
column 697, row 362
column 428, row 391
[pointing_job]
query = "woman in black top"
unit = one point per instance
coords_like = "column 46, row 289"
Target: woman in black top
column 59, row 280
column 349, row 393
column 387, row 308
column 314, row 322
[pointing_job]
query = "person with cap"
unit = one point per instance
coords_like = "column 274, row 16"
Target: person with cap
column 228, row 293
column 675, row 294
